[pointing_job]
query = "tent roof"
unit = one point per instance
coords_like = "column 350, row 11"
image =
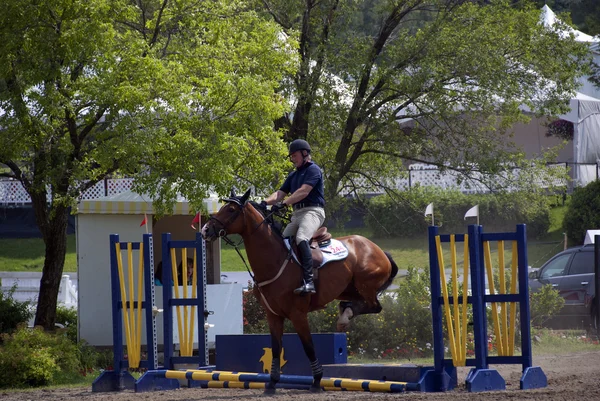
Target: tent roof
column 132, row 203
column 549, row 19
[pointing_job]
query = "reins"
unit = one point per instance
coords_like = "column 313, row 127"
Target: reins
column 236, row 247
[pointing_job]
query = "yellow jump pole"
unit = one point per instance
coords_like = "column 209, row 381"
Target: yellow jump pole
column 176, row 288
column 193, row 308
column 464, row 301
column 128, row 342
column 488, row 266
column 513, row 305
column 185, row 342
column 452, row 343
column 138, row 349
column 503, row 309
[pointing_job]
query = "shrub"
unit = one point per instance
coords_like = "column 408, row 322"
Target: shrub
column 544, row 304
column 255, row 318
column 389, row 217
column 13, row 312
column 68, row 318
column 32, row 357
column 583, row 212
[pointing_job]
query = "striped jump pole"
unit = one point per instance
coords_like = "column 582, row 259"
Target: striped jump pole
column 258, row 380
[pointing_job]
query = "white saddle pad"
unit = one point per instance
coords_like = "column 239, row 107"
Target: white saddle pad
column 336, row 250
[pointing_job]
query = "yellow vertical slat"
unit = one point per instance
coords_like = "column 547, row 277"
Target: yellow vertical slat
column 513, row 305
column 176, row 288
column 488, row 267
column 454, row 273
column 193, row 308
column 131, row 352
column 123, row 298
column 185, row 348
column 465, row 296
column 138, row 349
column 452, row 343
column 503, row 309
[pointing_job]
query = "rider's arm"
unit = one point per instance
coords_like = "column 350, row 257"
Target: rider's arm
column 300, row 194
column 275, row 197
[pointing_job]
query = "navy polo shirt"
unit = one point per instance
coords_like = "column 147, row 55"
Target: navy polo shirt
column 309, row 174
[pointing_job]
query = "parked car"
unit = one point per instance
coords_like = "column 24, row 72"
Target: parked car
column 571, row 272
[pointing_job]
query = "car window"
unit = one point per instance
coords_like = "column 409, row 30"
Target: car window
column 556, row 267
column 583, row 263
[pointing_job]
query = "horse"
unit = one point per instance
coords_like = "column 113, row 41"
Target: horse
column 356, row 280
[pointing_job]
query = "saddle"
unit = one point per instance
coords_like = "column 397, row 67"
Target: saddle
column 322, row 249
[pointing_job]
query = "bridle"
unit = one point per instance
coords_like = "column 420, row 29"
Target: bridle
column 222, row 233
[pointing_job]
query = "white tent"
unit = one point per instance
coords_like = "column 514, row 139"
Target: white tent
column 590, row 236
column 585, row 109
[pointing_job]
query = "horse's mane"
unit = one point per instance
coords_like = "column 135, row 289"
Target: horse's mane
column 276, row 226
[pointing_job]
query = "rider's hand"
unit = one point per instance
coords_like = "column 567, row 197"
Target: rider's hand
column 276, row 208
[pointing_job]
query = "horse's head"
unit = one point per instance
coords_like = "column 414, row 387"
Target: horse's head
column 229, row 219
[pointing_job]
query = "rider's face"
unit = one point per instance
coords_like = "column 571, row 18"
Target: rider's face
column 297, row 159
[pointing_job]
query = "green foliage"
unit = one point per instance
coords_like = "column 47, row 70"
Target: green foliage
column 12, row 312
column 68, row 318
column 583, row 212
column 401, row 330
column 544, row 304
column 32, row 357
column 392, row 217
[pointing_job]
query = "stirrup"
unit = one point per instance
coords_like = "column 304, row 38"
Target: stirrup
column 305, row 288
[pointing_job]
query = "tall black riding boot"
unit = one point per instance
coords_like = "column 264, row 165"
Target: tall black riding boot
column 305, row 255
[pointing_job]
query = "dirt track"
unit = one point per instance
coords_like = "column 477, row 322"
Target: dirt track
column 570, row 377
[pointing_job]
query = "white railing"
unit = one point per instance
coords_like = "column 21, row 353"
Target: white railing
column 28, row 287
column 13, row 193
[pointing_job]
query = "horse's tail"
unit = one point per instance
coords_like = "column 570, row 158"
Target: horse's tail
column 393, row 273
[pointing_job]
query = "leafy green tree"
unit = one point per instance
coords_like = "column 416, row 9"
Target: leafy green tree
column 178, row 94
column 583, row 212
column 440, row 81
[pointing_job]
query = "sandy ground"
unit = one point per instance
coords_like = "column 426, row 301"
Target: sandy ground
column 570, row 377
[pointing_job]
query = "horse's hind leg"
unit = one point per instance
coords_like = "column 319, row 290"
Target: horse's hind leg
column 276, row 329
column 300, row 322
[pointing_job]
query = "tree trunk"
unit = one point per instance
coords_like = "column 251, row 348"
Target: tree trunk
column 54, row 233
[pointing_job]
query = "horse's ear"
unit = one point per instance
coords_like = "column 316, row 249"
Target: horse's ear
column 232, row 193
column 245, row 196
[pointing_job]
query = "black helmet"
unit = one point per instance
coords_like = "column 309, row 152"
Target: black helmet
column 299, row 144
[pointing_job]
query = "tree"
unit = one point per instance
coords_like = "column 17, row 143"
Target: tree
column 147, row 88
column 440, row 81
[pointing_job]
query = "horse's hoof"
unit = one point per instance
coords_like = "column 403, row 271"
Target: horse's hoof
column 269, row 391
column 315, row 389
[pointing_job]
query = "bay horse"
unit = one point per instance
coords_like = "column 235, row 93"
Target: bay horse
column 356, row 280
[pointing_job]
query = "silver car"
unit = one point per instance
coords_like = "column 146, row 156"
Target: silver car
column 571, row 272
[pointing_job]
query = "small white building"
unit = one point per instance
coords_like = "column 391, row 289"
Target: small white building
column 122, row 214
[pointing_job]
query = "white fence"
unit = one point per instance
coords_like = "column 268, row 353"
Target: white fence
column 13, row 193
column 28, row 287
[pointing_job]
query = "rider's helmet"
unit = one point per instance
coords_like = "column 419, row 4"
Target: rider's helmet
column 299, row 144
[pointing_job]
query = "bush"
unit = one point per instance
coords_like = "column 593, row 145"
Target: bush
column 544, row 304
column 402, row 329
column 13, row 312
column 583, row 212
column 32, row 357
column 68, row 318
column 390, row 217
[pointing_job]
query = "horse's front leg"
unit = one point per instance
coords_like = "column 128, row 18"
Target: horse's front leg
column 300, row 322
column 276, row 329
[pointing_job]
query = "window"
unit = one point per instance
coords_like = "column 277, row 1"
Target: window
column 583, row 263
column 556, row 267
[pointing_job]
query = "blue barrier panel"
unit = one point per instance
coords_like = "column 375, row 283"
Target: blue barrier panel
column 252, row 352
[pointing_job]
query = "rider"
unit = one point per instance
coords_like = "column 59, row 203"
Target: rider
column 305, row 184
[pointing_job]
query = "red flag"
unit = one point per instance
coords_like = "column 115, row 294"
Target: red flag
column 196, row 220
column 145, row 220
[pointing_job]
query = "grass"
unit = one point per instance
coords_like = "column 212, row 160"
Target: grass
column 28, row 254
